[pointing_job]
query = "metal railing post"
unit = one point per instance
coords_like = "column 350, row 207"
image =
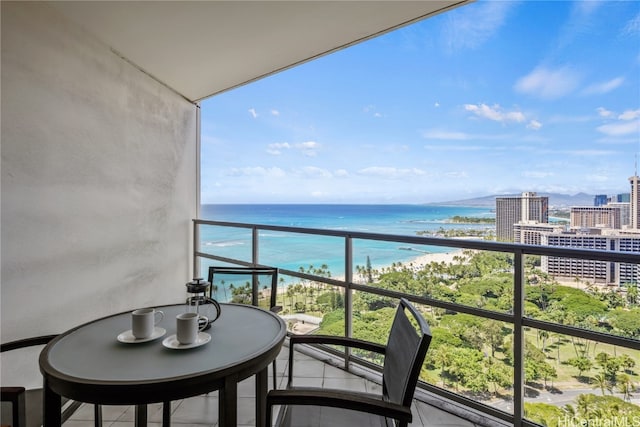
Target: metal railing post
column 254, row 261
column 348, row 300
column 196, row 243
column 518, row 338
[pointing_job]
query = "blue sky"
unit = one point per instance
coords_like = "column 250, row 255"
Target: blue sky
column 492, row 98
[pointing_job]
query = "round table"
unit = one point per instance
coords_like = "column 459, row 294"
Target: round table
column 89, row 364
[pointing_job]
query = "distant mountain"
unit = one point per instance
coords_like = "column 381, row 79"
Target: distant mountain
column 555, row 200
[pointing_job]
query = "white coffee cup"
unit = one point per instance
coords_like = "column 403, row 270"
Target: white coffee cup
column 144, row 320
column 187, row 328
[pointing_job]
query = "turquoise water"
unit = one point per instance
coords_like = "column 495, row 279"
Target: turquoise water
column 293, row 251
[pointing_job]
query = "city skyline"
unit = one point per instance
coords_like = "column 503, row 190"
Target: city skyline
column 496, row 97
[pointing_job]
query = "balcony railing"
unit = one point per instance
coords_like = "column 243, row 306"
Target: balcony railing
column 517, row 318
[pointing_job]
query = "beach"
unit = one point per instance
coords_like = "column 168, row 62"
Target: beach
column 446, row 257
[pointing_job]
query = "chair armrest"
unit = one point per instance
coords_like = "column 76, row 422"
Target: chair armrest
column 27, row 342
column 276, row 309
column 332, row 340
column 361, row 402
column 10, row 394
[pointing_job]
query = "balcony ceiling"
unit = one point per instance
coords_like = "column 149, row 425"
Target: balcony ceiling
column 201, row 48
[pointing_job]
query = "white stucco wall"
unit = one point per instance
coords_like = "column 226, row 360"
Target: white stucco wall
column 98, row 179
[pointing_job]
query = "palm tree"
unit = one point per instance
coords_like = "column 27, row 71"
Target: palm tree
column 625, row 386
column 224, row 288
column 442, row 357
column 601, row 382
column 632, row 294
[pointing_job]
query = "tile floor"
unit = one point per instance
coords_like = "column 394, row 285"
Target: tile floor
column 202, row 411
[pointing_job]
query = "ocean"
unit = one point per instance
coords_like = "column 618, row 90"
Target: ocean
column 295, row 251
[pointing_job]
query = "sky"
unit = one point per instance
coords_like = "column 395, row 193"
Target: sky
column 496, row 97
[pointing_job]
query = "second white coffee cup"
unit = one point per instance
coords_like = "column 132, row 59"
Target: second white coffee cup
column 187, row 328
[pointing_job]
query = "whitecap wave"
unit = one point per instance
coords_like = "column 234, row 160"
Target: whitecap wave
column 224, row 243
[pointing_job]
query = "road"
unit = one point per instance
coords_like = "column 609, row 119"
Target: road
column 559, row 398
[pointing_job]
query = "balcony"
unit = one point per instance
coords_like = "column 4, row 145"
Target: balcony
column 315, row 369
column 529, row 332
column 100, row 153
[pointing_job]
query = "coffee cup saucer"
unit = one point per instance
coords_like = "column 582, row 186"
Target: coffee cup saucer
column 172, row 341
column 128, row 338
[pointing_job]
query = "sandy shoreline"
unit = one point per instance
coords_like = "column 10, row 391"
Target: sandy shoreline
column 446, row 257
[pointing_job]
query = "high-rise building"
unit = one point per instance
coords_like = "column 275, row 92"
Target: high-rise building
column 600, row 200
column 609, row 216
column 634, row 200
column 529, row 207
column 624, row 212
column 530, row 232
column 596, row 271
column 623, row 198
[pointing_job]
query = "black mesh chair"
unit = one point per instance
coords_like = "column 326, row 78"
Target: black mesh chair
column 403, row 358
column 247, row 282
column 26, row 404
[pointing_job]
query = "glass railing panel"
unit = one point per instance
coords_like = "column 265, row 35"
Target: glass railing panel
column 573, row 381
column 311, row 306
column 307, row 253
column 471, row 356
column 582, row 294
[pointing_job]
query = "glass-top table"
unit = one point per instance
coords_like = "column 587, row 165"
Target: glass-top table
column 89, row 364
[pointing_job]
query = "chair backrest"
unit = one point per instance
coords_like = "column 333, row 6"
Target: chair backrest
column 23, row 403
column 406, row 349
column 240, row 276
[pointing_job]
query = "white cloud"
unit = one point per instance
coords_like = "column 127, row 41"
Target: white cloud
column 534, row 125
column 275, row 112
column 628, row 123
column 253, row 112
column 277, row 147
column 630, row 115
column 495, row 113
column 633, row 26
column 341, row 173
column 371, row 109
column 391, row 172
column 604, row 87
column 596, row 177
column 548, row 84
column 455, row 147
column 313, row 172
column 309, row 148
column 603, row 112
column 456, row 175
column 437, row 104
column 536, row 174
column 471, row 27
column 620, row 129
column 595, row 153
column 443, row 134
column 257, row 171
